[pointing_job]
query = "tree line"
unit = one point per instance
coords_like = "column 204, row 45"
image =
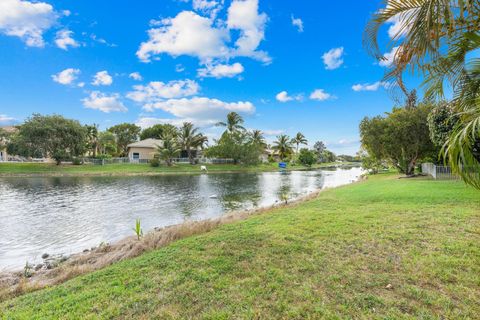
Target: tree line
column 53, row 136
column 440, row 40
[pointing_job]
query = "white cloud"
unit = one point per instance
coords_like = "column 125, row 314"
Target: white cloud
column 210, row 7
column 179, row 68
column 157, row 90
column 104, row 102
column 220, row 70
column 208, row 39
column 135, row 76
column 320, row 95
column 102, row 78
column 67, row 76
column 64, row 39
column 243, row 15
column 284, row 97
column 201, row 108
column 5, row 119
column 26, row 20
column 333, row 59
column 298, row 23
column 272, row 133
column 369, row 86
column 186, row 34
column 146, row 122
column 389, row 57
column 102, row 41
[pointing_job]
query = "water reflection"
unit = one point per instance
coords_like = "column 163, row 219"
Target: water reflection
column 67, row 215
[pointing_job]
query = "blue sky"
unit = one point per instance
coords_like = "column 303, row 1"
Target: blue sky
column 286, row 66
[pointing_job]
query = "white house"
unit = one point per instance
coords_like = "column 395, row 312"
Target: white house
column 144, row 149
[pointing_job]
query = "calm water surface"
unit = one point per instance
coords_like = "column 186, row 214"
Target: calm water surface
column 67, row 215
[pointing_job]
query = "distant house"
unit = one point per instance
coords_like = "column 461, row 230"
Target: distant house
column 269, row 154
column 144, row 150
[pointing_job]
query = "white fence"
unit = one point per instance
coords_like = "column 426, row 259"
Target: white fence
column 439, row 172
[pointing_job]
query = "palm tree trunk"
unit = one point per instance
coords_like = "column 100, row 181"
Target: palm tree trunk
column 190, row 158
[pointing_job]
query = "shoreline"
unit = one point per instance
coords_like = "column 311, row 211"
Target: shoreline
column 14, row 283
column 166, row 173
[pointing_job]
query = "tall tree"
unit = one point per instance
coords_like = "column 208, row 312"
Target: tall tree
column 92, row 139
column 107, row 143
column 439, row 38
column 125, row 133
column 256, row 137
column 283, row 145
column 401, row 137
column 299, row 139
column 319, row 146
column 190, row 138
column 157, row 131
column 168, row 149
column 234, row 123
column 3, row 139
column 49, row 136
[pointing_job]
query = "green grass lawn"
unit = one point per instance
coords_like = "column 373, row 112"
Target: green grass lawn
column 386, row 248
column 124, row 169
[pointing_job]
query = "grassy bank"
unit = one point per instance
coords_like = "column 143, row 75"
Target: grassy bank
column 44, row 169
column 386, row 248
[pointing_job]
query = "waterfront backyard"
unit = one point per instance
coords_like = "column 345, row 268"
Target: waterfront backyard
column 382, row 248
column 65, row 215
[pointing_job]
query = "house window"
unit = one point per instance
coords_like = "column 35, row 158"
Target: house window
column 136, row 156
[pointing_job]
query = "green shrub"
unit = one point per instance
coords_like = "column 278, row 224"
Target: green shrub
column 77, row 161
column 307, row 157
column 155, row 163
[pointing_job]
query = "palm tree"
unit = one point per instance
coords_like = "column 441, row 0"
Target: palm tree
column 299, row 139
column 283, row 146
column 92, row 139
column 435, row 37
column 190, row 138
column 234, row 123
column 169, row 149
column 256, row 137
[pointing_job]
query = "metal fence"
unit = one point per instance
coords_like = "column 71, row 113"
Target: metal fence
column 439, row 172
column 144, row 161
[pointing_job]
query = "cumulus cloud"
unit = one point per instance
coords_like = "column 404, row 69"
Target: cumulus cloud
column 208, row 39
column 104, row 102
column 389, row 57
column 67, row 76
column 146, row 122
column 135, row 76
column 6, row 119
column 64, row 39
column 369, row 86
column 186, row 34
column 333, row 59
column 201, row 108
column 157, row 90
column 26, row 20
column 297, row 23
column 284, row 97
column 210, row 7
column 220, row 70
column 320, row 95
column 243, row 15
column 102, row 78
